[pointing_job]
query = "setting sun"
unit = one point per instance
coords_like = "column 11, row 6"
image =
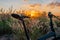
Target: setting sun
column 33, row 13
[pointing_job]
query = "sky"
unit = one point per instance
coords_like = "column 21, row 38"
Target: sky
column 17, row 3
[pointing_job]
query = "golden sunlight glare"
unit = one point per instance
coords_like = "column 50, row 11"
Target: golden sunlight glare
column 32, row 13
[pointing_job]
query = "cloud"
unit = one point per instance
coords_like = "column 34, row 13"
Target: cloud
column 35, row 5
column 57, row 0
column 46, row 1
column 25, row 0
column 54, row 4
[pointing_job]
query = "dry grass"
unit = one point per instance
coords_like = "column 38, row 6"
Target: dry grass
column 36, row 28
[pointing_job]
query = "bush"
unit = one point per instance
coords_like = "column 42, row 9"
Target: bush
column 5, row 28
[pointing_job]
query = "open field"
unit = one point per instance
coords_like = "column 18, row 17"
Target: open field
column 13, row 28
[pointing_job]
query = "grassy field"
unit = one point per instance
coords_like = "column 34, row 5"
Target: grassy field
column 13, row 28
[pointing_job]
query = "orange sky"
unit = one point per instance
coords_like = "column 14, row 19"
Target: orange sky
column 54, row 9
column 40, row 5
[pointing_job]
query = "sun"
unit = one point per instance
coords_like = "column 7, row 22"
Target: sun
column 33, row 13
